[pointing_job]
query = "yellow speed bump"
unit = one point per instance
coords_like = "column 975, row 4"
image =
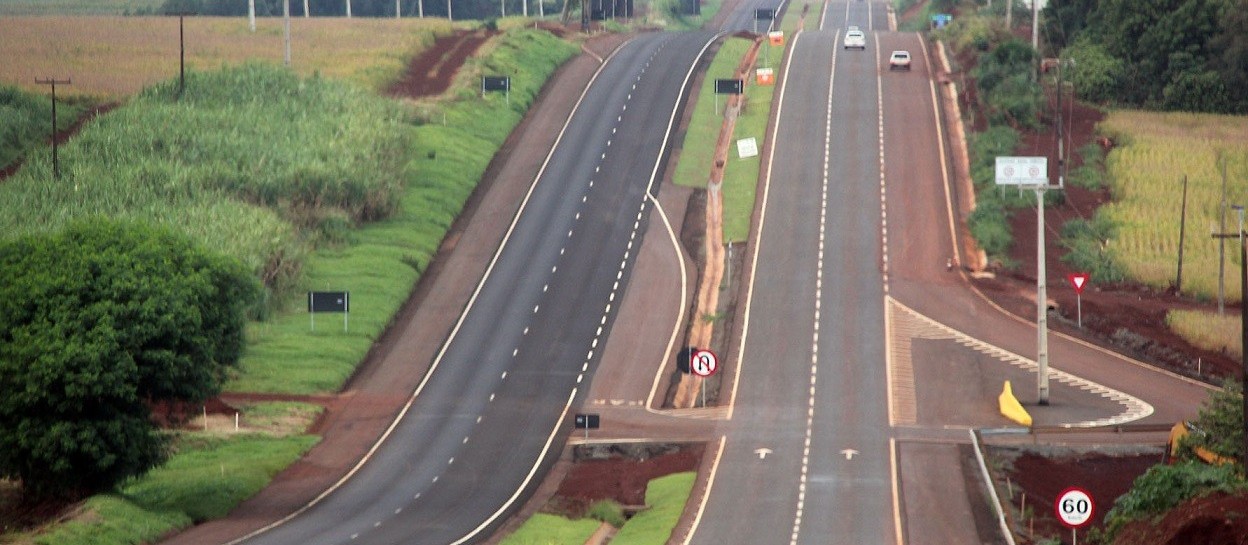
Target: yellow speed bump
column 1011, row 408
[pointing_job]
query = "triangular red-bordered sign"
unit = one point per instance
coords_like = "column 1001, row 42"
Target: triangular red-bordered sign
column 1079, row 281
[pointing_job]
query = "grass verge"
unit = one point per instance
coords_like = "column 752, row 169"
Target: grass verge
column 1208, row 330
column 546, row 529
column 665, row 499
column 383, row 260
column 210, row 473
column 698, row 150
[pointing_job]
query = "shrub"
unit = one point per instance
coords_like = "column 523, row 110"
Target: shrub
column 1086, row 242
column 1096, row 75
column 1090, row 174
column 608, row 511
column 1163, row 487
column 989, row 224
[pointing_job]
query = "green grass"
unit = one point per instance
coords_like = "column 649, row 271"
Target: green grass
column 378, row 262
column 253, row 162
column 697, row 154
column 27, row 123
column 1208, row 330
column 665, row 499
column 383, row 259
column 205, row 479
column 544, row 529
column 1153, row 153
column 76, row 7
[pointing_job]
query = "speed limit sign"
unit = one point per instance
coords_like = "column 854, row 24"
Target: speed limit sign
column 1074, row 507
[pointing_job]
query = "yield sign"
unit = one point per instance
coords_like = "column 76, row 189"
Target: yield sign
column 1078, row 280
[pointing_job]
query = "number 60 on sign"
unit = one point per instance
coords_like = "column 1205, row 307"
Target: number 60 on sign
column 1074, row 507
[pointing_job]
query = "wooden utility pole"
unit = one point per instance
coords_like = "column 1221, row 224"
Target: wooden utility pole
column 1178, row 277
column 56, row 165
column 1243, row 323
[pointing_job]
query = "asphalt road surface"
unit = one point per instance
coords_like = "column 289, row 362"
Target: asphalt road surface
column 807, row 454
column 489, row 416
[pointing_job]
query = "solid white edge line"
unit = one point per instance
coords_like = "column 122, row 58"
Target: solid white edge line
column 706, row 495
column 762, row 220
column 892, row 465
column 654, row 174
column 680, row 309
column 462, row 317
column 527, row 479
column 944, row 165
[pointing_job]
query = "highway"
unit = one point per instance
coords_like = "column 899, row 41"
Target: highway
column 863, row 363
column 488, row 418
column 807, row 454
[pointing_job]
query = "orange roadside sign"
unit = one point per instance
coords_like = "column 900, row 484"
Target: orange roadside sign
column 765, row 76
column 776, row 38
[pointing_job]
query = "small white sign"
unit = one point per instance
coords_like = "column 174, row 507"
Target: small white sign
column 747, row 147
column 1074, row 507
column 1022, row 171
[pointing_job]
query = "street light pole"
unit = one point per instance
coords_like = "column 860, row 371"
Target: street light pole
column 1042, row 306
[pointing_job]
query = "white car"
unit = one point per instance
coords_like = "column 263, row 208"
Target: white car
column 899, row 60
column 855, row 39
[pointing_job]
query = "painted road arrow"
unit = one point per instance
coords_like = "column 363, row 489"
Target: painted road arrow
column 849, row 453
column 762, row 452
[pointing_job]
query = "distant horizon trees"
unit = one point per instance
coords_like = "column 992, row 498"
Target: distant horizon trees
column 1179, row 55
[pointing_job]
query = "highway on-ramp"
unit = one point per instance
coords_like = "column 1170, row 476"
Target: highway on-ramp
column 490, row 415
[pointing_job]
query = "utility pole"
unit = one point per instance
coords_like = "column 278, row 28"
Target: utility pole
column 1178, row 277
column 306, row 12
column 348, row 9
column 448, row 11
column 181, row 54
column 286, row 17
column 1243, row 321
column 56, row 165
column 398, row 9
column 1222, row 248
column 1035, row 25
column 251, row 14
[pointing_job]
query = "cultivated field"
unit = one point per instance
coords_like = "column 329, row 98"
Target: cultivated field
column 1154, row 152
column 118, row 56
column 76, row 7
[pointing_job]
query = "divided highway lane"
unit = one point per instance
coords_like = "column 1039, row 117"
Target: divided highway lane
column 483, row 425
column 807, row 458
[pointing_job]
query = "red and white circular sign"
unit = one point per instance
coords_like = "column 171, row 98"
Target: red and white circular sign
column 1074, row 507
column 703, row 362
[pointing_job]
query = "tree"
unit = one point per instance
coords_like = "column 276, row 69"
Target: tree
column 96, row 322
column 1231, row 41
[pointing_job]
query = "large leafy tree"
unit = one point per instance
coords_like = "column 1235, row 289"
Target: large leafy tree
column 96, row 322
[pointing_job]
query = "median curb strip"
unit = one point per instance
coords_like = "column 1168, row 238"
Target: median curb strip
column 992, row 490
